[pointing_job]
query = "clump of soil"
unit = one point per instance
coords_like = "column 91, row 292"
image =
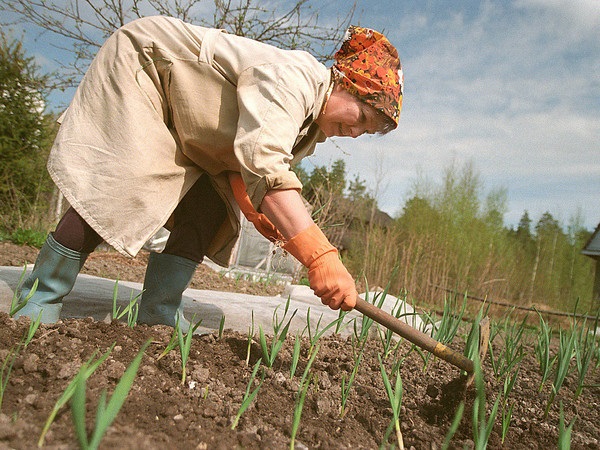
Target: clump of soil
column 161, row 413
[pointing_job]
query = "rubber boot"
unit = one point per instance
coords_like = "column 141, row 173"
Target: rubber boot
column 56, row 269
column 167, row 276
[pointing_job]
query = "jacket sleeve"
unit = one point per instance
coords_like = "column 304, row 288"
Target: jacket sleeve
column 274, row 101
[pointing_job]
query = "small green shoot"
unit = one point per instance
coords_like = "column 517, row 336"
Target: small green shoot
column 395, row 397
column 564, row 431
column 314, row 337
column 17, row 304
column 250, row 339
column 507, row 411
column 584, row 351
column 7, row 366
column 88, row 368
column 542, row 350
column 367, row 322
column 33, row 327
column 472, row 344
column 482, row 426
column 106, row 412
column 512, row 349
column 185, row 344
column 301, row 396
column 454, row 427
column 347, row 383
column 221, row 327
column 299, row 406
column 566, row 349
column 173, row 342
column 249, row 396
column 387, row 336
column 131, row 309
column 509, row 383
column 340, row 321
column 448, row 325
column 279, row 334
column 295, row 355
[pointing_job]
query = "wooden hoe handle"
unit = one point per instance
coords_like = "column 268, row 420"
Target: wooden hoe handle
column 415, row 336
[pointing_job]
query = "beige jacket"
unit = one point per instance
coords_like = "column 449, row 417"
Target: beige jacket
column 164, row 102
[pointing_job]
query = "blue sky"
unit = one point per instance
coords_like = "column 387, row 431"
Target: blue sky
column 511, row 87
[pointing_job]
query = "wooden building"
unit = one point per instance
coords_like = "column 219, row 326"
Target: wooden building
column 592, row 249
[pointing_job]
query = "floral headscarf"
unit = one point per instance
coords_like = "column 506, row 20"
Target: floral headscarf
column 367, row 65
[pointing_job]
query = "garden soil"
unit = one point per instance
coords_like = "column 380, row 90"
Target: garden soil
column 160, row 412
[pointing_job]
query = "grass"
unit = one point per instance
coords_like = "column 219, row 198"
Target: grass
column 28, row 236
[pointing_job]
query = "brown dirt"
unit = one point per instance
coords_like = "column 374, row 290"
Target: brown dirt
column 161, row 413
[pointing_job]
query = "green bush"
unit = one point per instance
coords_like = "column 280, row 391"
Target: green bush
column 27, row 236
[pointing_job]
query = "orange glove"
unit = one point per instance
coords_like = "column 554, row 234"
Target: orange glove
column 328, row 277
column 260, row 221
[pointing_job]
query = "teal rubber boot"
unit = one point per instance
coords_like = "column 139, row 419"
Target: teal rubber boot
column 56, row 269
column 167, row 276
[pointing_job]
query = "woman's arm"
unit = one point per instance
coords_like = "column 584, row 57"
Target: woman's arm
column 285, row 208
column 327, row 276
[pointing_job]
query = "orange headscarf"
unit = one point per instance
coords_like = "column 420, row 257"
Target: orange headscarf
column 367, row 65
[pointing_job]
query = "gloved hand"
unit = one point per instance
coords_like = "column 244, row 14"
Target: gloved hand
column 328, row 277
column 263, row 225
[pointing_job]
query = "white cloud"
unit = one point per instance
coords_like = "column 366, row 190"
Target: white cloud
column 576, row 19
column 511, row 89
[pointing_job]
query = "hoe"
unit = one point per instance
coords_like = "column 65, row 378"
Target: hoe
column 425, row 341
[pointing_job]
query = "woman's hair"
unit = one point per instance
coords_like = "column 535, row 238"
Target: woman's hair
column 385, row 124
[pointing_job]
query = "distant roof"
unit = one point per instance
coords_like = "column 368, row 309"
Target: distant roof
column 592, row 248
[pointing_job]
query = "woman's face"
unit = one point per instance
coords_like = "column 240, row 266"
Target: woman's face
column 346, row 115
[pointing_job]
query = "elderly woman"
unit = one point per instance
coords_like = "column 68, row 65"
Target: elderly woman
column 181, row 126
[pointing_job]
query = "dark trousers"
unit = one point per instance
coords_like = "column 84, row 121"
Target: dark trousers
column 195, row 222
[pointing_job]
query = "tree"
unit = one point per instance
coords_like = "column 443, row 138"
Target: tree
column 331, row 181
column 25, row 133
column 85, row 24
column 524, row 228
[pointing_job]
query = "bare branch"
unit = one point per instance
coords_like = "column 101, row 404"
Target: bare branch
column 81, row 26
